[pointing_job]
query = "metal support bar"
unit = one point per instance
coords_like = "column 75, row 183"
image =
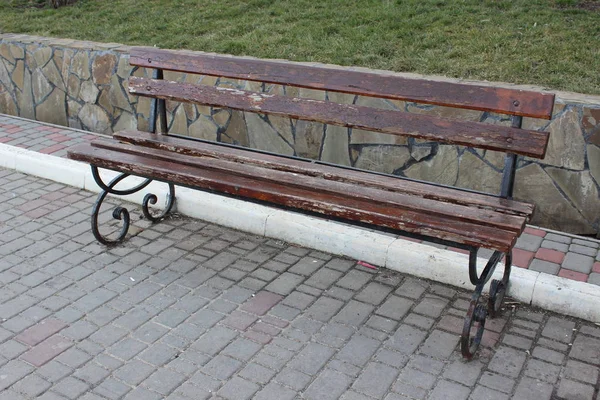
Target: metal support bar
column 161, row 107
column 510, row 166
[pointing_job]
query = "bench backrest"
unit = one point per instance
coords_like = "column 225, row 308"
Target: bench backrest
column 513, row 102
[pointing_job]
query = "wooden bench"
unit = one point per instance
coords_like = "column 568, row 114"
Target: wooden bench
column 451, row 216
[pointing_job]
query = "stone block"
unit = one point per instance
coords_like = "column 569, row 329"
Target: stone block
column 544, row 266
column 578, row 262
column 329, row 385
column 569, row 389
column 441, row 168
column 552, row 209
column 103, row 68
column 566, row 147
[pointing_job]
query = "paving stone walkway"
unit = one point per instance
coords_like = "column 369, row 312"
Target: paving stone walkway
column 552, row 253
column 189, row 310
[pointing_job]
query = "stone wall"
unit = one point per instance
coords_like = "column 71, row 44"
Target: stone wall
column 83, row 85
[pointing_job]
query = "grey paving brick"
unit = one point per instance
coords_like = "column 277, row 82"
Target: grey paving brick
column 111, row 389
column 32, row 385
column 73, row 357
column 449, row 390
column 164, row 381
column 406, row 339
column 586, row 349
column 323, row 309
column 328, row 385
column 582, row 372
column 257, row 373
column 374, row 293
column 544, row 266
column 238, row 389
column 242, row 349
column 292, row 378
column 439, row 344
column 354, row 313
column 139, row 393
column 150, row 332
column 518, row 341
column 569, row 389
column 285, row 283
column 542, row 371
column 354, row 280
column 391, row 358
column 312, row 358
column 431, row 306
column 529, row 242
column 585, row 250
column 221, row 367
column 578, row 262
column 415, row 378
column 464, row 372
column 594, row 278
column 559, row 329
column 274, row 391
column 323, row 278
column 375, row 379
column 134, row 372
column 548, row 355
column 507, row 361
column 71, row 388
column 158, row 355
column 484, row 393
column 358, row 350
column 532, row 389
column 394, row 308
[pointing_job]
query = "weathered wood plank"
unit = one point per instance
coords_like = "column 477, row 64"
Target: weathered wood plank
column 465, row 133
column 309, row 168
column 484, row 98
column 351, row 209
column 396, row 200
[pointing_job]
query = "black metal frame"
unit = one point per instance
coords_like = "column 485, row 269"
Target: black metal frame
column 158, row 114
column 477, row 312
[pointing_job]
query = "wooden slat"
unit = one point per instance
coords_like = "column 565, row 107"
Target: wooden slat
column 374, row 196
column 308, row 168
column 484, row 98
column 309, row 200
column 472, row 134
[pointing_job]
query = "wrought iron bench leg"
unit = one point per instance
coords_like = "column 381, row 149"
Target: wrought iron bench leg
column 121, row 213
column 478, row 311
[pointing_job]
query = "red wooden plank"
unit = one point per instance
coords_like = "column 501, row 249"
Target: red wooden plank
column 306, row 167
column 351, row 209
column 351, row 190
column 485, row 98
column 465, row 133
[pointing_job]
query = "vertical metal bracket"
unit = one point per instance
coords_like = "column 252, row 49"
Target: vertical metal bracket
column 510, row 166
column 158, row 110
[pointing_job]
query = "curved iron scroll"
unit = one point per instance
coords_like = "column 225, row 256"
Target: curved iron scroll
column 477, row 311
column 121, row 213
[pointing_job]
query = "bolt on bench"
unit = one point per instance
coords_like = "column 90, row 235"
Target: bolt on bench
column 446, row 215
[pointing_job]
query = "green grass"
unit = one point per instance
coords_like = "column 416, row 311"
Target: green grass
column 551, row 43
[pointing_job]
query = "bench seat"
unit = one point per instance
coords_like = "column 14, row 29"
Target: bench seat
column 340, row 193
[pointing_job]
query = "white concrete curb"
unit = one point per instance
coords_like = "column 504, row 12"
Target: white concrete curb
column 552, row 293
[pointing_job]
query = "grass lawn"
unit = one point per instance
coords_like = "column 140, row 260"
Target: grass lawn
column 551, row 43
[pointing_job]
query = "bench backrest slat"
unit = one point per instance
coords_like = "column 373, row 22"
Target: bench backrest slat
column 484, row 98
column 472, row 134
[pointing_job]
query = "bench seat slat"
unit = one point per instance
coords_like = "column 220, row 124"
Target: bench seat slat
column 375, row 196
column 340, row 206
column 465, row 133
column 485, row 98
column 308, row 168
